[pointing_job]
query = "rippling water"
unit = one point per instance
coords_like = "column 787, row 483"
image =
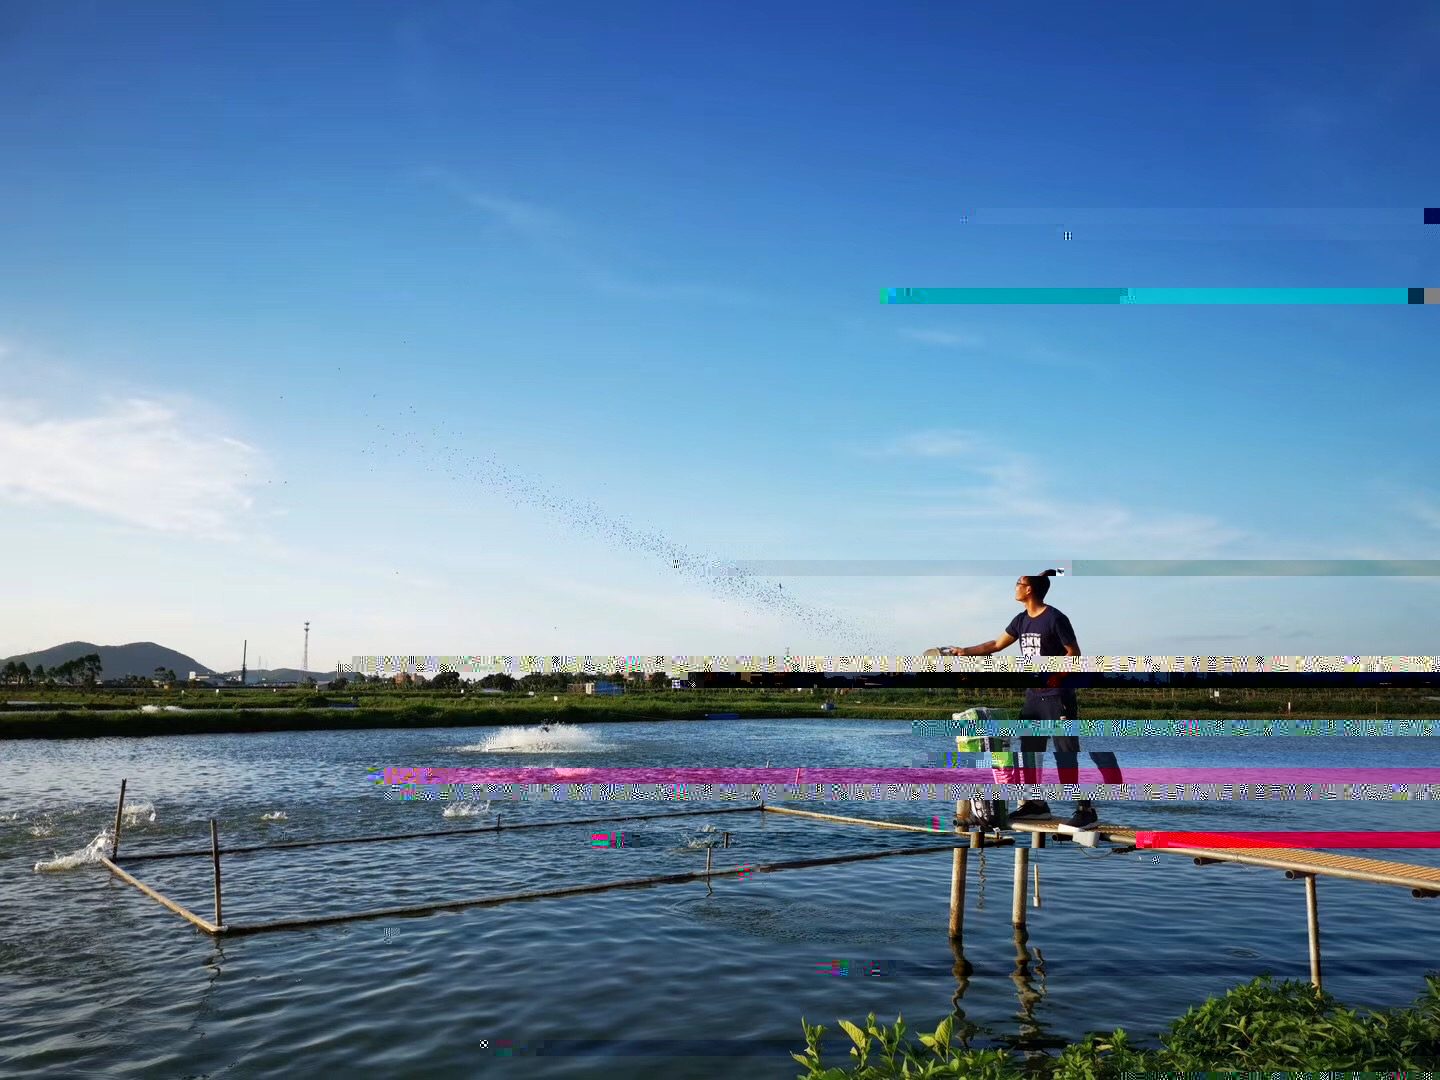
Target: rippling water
column 666, row 981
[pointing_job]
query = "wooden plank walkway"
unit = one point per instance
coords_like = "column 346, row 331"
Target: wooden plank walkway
column 1308, row 865
column 1422, row 881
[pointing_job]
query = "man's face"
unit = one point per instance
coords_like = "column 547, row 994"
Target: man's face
column 1022, row 590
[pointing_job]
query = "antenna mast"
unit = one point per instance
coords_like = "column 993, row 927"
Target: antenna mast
column 305, row 664
column 244, row 652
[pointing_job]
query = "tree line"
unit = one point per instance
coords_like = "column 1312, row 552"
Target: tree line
column 81, row 671
column 553, row 682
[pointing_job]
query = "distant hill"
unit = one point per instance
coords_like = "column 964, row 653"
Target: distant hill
column 287, row 674
column 116, row 661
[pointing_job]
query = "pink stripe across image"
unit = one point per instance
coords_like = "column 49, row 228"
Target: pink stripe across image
column 421, row 775
column 1288, row 840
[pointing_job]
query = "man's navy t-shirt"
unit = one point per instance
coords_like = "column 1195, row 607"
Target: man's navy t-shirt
column 1046, row 634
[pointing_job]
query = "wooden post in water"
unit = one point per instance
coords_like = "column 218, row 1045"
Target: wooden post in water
column 215, row 854
column 1312, row 914
column 1022, row 871
column 958, row 859
column 708, row 852
column 959, row 867
column 959, row 870
column 119, row 808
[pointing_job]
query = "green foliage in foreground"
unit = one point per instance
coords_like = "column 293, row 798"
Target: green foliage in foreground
column 1256, row 1027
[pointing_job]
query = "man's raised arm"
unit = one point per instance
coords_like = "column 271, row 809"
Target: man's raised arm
column 1004, row 641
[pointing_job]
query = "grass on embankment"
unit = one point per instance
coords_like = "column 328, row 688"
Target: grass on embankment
column 100, row 714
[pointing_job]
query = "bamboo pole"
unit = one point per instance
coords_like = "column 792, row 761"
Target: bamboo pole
column 184, row 913
column 119, row 809
column 1297, row 865
column 574, row 890
column 959, row 872
column 1312, row 917
column 1022, row 868
column 215, row 851
column 958, row 868
column 435, row 832
column 848, row 820
column 708, row 852
column 959, row 803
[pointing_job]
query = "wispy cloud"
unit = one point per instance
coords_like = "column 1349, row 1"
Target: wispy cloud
column 1425, row 510
column 136, row 461
column 1011, row 495
column 560, row 239
column 1026, row 513
column 953, row 339
column 534, row 223
column 429, row 29
column 928, row 444
column 1327, row 107
column 1007, row 343
column 1400, row 538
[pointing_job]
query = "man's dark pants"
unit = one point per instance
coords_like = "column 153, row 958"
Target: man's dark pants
column 1051, row 705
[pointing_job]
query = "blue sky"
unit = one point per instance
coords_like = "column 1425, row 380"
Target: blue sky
column 454, row 327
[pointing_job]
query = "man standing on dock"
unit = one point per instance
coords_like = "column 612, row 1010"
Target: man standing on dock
column 1041, row 631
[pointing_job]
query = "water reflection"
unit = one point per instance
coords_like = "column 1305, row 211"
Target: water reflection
column 205, row 1009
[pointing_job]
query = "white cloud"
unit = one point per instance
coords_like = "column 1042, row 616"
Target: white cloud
column 134, row 461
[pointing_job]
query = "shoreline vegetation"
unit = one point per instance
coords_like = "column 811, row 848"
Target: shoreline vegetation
column 1256, row 1028
column 76, row 713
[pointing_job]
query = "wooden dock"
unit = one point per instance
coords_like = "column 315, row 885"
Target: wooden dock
column 1422, row 881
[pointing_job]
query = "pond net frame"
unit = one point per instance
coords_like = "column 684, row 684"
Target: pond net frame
column 219, row 928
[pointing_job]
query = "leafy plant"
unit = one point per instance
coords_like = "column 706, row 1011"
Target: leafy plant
column 1253, row 1028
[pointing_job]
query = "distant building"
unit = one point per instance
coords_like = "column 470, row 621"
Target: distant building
column 604, row 688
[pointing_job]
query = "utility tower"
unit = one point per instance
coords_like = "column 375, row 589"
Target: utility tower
column 305, row 664
column 244, row 653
